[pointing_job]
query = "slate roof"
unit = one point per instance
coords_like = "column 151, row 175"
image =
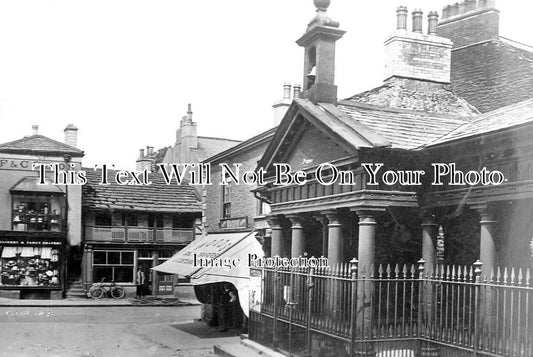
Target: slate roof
column 504, row 118
column 413, row 94
column 157, row 197
column 39, row 144
column 207, row 147
column 493, row 74
column 404, row 129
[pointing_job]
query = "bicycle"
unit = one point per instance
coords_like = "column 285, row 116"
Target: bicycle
column 97, row 291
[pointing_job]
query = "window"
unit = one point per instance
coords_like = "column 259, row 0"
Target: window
column 114, row 266
column 35, row 212
column 29, row 266
column 155, row 220
column 226, row 200
column 102, row 219
column 130, row 219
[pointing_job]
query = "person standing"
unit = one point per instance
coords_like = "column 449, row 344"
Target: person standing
column 141, row 278
column 227, row 301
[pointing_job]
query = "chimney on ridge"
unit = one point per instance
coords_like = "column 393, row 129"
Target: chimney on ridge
column 281, row 106
column 71, row 135
column 413, row 54
column 34, row 129
column 470, row 22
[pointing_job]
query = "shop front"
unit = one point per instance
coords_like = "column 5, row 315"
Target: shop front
column 119, row 264
column 32, row 265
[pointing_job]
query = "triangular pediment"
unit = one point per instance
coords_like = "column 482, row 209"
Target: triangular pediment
column 311, row 134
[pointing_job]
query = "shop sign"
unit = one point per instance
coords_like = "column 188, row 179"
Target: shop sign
column 18, row 242
column 24, row 164
column 234, row 223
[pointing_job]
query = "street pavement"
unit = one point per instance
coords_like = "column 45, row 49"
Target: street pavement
column 94, row 331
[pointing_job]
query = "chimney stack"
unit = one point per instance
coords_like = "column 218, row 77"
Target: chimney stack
column 141, row 153
column 470, row 22
column 413, row 54
column 401, row 18
column 433, row 21
column 417, row 20
column 34, row 129
column 71, row 135
column 296, row 91
column 281, row 106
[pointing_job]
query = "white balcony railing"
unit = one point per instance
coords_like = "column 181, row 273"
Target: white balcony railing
column 120, row 234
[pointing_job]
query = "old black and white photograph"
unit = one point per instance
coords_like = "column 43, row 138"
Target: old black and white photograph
column 329, row 178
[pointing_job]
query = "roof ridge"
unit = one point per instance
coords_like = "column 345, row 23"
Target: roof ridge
column 376, row 107
column 37, row 136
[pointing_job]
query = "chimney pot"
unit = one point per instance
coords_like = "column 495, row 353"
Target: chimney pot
column 189, row 111
column 433, row 20
column 417, row 20
column 454, row 9
column 287, row 91
column 141, row 153
column 470, row 5
column 446, row 12
column 296, row 91
column 401, row 16
column 462, row 8
column 34, row 129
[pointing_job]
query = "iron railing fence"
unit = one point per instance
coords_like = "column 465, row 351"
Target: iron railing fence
column 395, row 310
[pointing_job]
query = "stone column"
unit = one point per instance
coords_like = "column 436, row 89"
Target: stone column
column 487, row 256
column 365, row 288
column 487, row 248
column 297, row 236
column 335, row 239
column 276, row 242
column 429, row 240
column 429, row 255
column 367, row 240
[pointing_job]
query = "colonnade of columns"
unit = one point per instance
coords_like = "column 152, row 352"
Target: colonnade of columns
column 332, row 246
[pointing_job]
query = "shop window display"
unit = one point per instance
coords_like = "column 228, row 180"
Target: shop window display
column 37, row 213
column 117, row 266
column 29, row 266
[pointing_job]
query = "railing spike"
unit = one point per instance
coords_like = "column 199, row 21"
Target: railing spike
column 459, row 273
column 505, row 276
column 448, row 272
column 512, row 275
column 498, row 275
column 528, row 277
column 520, row 276
column 404, row 271
column 396, row 270
column 453, row 272
column 442, row 272
column 372, row 270
column 380, row 271
column 388, row 270
column 471, row 273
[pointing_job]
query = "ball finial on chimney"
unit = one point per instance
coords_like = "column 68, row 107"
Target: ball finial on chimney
column 321, row 4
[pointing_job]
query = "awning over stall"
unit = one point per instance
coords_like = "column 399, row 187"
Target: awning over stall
column 237, row 269
column 210, row 246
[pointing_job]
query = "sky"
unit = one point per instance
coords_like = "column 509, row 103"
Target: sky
column 123, row 71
